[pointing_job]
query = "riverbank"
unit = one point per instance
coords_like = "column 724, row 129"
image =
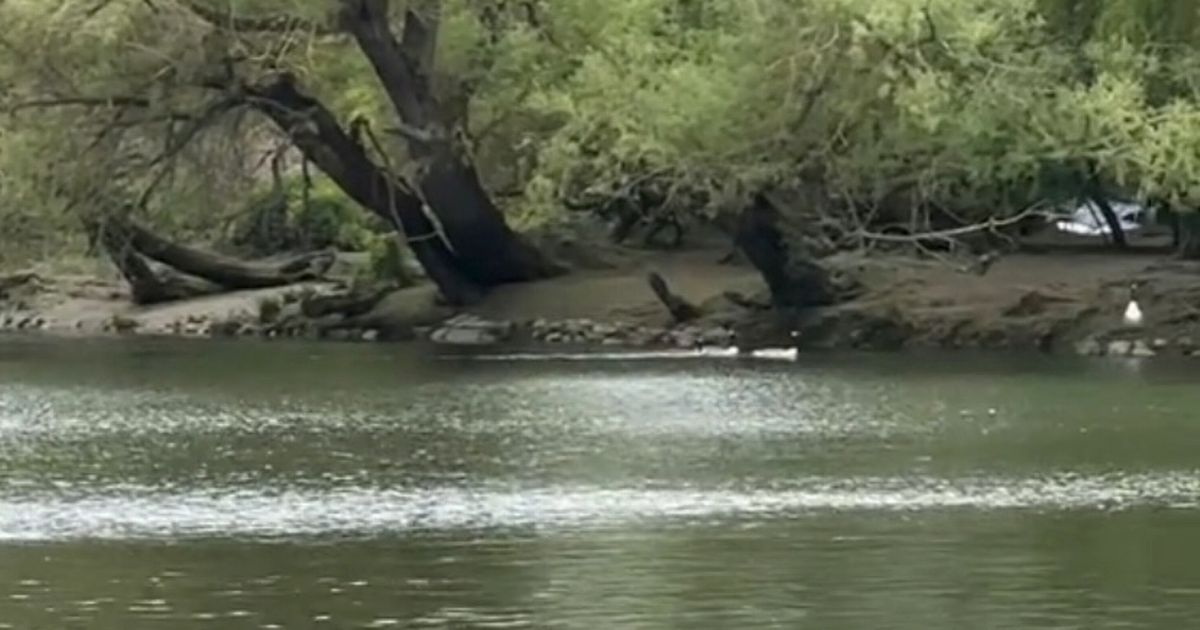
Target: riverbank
column 1060, row 302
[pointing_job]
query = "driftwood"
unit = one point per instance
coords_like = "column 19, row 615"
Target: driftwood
column 681, row 310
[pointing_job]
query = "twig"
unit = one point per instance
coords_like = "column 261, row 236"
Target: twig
column 167, row 157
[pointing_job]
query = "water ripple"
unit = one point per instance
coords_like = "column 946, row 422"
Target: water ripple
column 130, row 512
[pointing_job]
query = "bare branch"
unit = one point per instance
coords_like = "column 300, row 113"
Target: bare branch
column 210, row 114
column 991, row 225
column 413, row 134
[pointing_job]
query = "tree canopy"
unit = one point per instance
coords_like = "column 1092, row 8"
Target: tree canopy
column 897, row 111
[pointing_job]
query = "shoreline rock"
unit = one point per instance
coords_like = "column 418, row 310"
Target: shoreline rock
column 908, row 307
column 468, row 330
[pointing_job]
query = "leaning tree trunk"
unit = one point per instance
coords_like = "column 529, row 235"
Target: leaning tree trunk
column 793, row 277
column 316, row 132
column 1187, row 235
column 486, row 249
column 1110, row 219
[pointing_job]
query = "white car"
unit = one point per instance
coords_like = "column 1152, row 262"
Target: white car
column 1087, row 220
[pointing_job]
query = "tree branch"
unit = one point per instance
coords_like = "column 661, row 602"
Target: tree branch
column 412, row 134
column 173, row 149
column 990, row 225
column 406, row 86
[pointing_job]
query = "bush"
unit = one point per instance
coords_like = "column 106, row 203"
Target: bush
column 328, row 219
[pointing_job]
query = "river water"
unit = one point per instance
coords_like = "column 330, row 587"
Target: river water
column 243, row 485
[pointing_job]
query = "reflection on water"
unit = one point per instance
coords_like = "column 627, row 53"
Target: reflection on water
column 292, row 486
column 128, row 512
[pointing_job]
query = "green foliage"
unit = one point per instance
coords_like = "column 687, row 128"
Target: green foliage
column 969, row 105
column 326, row 219
column 389, row 261
column 331, row 220
column 978, row 107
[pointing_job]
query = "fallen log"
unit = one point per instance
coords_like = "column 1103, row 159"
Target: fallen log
column 226, row 271
column 148, row 285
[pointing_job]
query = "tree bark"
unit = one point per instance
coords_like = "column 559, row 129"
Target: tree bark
column 224, row 271
column 1116, row 232
column 488, row 251
column 794, row 279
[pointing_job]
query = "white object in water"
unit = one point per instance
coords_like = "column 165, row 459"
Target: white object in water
column 711, row 351
column 778, row 354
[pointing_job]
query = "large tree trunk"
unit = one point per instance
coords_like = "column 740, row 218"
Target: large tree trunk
column 316, row 132
column 487, row 250
column 794, row 279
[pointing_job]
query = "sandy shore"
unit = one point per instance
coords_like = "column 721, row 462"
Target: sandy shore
column 1064, row 302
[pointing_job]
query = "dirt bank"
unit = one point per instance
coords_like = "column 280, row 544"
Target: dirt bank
column 1063, row 302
